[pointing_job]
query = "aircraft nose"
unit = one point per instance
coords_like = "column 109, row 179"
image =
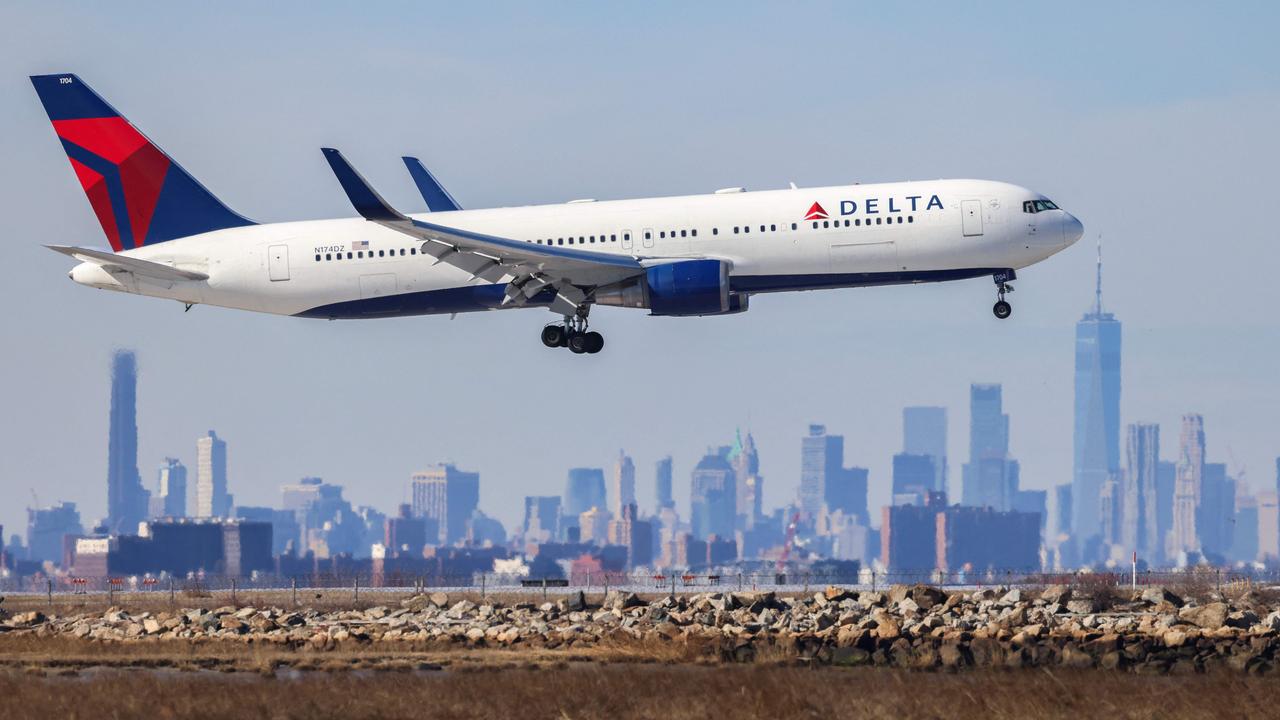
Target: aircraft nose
column 1072, row 229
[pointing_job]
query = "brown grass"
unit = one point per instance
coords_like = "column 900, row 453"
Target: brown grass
column 661, row 692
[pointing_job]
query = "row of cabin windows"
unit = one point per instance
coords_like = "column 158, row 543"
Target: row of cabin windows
column 858, row 222
column 359, row 254
column 582, row 239
column 648, row 235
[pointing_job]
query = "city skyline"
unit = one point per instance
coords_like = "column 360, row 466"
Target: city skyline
column 850, row 360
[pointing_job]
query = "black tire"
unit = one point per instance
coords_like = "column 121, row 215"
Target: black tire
column 1002, row 309
column 578, row 343
column 595, row 342
column 553, row 336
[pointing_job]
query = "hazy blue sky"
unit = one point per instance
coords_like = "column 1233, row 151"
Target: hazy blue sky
column 1154, row 123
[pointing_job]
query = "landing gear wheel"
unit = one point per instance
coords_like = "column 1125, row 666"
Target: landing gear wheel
column 595, row 342
column 1002, row 309
column 554, row 336
column 578, row 343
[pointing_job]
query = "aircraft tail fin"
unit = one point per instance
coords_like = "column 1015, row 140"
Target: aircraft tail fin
column 140, row 195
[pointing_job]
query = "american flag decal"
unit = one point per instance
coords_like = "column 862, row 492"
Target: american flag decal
column 360, row 245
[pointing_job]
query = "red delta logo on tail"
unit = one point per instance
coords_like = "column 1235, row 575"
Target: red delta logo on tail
column 127, row 167
column 816, row 212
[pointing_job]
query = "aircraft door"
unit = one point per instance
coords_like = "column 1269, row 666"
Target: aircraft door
column 971, row 217
column 646, row 237
column 626, row 239
column 278, row 262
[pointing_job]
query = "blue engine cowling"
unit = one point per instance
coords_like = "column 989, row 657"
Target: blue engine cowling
column 690, row 287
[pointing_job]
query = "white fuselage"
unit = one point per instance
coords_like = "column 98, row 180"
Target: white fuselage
column 872, row 234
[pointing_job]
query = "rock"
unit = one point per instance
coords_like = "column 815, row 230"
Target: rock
column 1209, row 617
column 837, row 594
column 439, row 599
column 951, row 655
column 1013, row 597
column 151, row 626
column 1174, row 638
column 575, row 602
column 887, row 628
column 1082, row 606
column 1059, row 594
column 1157, row 595
column 906, row 606
column 27, row 619
column 1242, row 619
column 461, row 608
column 926, row 596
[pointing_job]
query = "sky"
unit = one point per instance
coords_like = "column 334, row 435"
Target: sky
column 1154, row 123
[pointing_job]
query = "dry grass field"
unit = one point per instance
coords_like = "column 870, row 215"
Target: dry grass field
column 621, row 691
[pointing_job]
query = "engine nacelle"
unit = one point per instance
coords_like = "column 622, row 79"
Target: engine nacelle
column 684, row 288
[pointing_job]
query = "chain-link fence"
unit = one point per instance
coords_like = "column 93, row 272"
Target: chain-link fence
column 357, row 588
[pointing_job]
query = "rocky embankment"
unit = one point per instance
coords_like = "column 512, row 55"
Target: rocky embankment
column 922, row 627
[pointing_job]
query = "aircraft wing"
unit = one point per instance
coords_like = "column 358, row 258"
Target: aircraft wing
column 114, row 263
column 526, row 267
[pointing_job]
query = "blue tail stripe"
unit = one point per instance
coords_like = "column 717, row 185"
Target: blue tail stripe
column 115, row 188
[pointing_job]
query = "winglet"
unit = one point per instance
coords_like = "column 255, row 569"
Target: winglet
column 366, row 200
column 438, row 199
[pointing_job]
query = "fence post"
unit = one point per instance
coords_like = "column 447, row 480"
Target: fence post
column 355, row 589
column 1218, row 573
column 111, row 592
column 233, row 591
column 171, row 596
column 739, row 582
column 294, row 583
column 606, row 584
column 483, row 575
column 544, row 589
column 673, row 585
column 49, row 591
column 873, row 581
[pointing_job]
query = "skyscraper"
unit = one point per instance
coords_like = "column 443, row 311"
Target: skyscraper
column 746, row 469
column 622, row 484
column 1166, row 478
column 662, row 479
column 447, row 495
column 713, row 496
column 990, row 478
column 1140, row 528
column 1097, row 411
column 584, row 490
column 173, row 488
column 126, row 498
column 212, row 499
column 1186, row 490
column 914, row 477
column 924, row 432
column 846, row 491
column 1216, row 511
column 541, row 518
column 821, row 457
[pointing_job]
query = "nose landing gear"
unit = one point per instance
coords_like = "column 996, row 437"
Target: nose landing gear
column 573, row 334
column 1003, row 309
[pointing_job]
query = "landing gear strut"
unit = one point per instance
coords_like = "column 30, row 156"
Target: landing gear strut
column 1003, row 309
column 573, row 334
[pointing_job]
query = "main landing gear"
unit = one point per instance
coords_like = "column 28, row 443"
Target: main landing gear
column 1003, row 309
column 574, row 335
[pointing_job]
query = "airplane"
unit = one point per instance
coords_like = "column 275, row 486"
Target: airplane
column 696, row 255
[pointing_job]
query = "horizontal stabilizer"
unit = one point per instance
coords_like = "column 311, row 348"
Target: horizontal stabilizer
column 115, row 262
column 366, row 200
column 438, row 199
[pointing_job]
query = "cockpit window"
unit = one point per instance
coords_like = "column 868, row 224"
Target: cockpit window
column 1035, row 206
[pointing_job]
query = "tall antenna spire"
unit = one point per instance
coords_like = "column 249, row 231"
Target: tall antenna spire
column 1097, row 305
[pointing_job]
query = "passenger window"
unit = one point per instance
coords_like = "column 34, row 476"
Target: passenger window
column 694, row 232
column 761, row 228
column 746, row 228
column 648, row 234
column 815, row 224
column 328, row 256
column 349, row 255
column 662, row 233
column 826, row 224
column 683, row 233
column 911, row 218
column 773, row 228
column 735, row 229
column 793, row 226
column 715, row 231
column 613, row 238
column 413, row 251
